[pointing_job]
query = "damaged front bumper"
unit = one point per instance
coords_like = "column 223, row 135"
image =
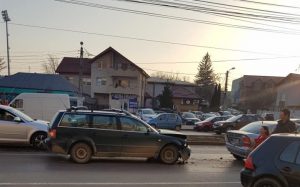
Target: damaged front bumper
column 185, row 153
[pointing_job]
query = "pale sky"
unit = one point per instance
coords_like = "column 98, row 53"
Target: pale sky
column 30, row 46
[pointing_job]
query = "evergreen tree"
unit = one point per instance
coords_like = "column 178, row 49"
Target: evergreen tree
column 205, row 75
column 166, row 97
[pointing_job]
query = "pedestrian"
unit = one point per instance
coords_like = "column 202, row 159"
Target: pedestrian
column 285, row 125
column 263, row 135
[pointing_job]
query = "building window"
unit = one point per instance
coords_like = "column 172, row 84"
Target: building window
column 100, row 81
column 124, row 83
column 86, row 81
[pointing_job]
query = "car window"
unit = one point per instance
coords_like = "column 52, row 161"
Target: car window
column 104, row 122
column 171, row 117
column 130, row 124
column 290, row 152
column 6, row 116
column 75, row 120
column 252, row 127
column 162, row 117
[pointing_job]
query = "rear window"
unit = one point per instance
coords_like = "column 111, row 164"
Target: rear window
column 255, row 126
column 75, row 120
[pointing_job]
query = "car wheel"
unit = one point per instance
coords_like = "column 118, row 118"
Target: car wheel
column 237, row 157
column 37, row 140
column 178, row 128
column 169, row 154
column 81, row 153
column 267, row 182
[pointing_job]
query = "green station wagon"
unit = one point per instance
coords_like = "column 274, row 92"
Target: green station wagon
column 83, row 134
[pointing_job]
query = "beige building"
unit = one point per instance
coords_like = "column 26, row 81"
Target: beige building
column 117, row 82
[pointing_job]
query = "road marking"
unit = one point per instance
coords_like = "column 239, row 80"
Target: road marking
column 114, row 184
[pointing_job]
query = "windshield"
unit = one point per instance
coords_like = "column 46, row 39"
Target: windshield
column 148, row 111
column 234, row 118
column 21, row 114
column 188, row 115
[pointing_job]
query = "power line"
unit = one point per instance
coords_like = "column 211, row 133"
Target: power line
column 270, row 4
column 290, row 20
column 144, row 39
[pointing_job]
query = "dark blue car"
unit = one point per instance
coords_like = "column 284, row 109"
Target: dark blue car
column 166, row 121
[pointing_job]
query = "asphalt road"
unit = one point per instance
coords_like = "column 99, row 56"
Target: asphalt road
column 210, row 166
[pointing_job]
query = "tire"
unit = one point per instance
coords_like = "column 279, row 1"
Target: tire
column 81, row 153
column 266, row 181
column 237, row 157
column 169, row 154
column 37, row 140
column 177, row 128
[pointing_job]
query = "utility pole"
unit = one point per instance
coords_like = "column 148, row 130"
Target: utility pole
column 80, row 70
column 226, row 84
column 6, row 19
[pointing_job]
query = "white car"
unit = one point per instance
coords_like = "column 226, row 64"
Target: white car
column 146, row 114
column 17, row 128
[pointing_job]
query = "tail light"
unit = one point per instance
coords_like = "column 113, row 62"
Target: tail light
column 52, row 133
column 249, row 163
column 246, row 141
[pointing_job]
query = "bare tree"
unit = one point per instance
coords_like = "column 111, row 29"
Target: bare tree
column 173, row 77
column 51, row 66
column 2, row 64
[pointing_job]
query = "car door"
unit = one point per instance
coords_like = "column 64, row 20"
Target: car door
column 171, row 121
column 10, row 130
column 162, row 121
column 241, row 122
column 137, row 140
column 289, row 163
column 107, row 135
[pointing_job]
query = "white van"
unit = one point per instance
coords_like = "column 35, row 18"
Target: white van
column 41, row 105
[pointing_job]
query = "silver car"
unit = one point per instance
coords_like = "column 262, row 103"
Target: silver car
column 240, row 142
column 17, row 128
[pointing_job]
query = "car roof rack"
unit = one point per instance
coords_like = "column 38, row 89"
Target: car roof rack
column 76, row 108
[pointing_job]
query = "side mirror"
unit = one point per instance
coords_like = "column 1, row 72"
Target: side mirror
column 17, row 119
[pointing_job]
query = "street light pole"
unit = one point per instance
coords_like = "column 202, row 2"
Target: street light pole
column 6, row 19
column 80, row 70
column 226, row 84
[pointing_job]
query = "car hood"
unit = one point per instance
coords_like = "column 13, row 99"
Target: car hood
column 149, row 115
column 172, row 133
column 40, row 125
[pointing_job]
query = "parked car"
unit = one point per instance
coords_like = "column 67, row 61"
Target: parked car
column 275, row 163
column 166, row 121
column 207, row 125
column 240, row 142
column 198, row 113
column 207, row 115
column 17, row 128
column 225, row 113
column 189, row 118
column 268, row 117
column 235, row 123
column 146, row 114
column 83, row 134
